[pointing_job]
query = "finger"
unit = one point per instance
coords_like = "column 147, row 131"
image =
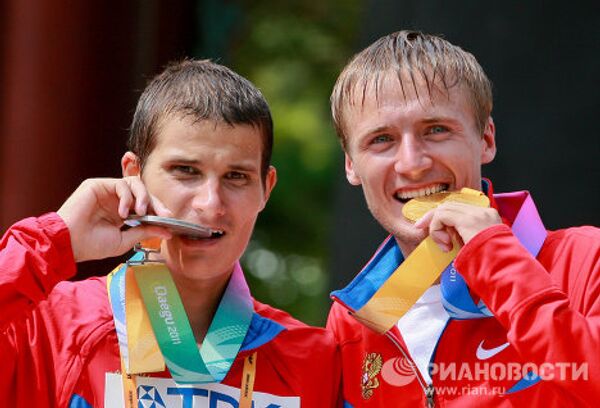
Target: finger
column 424, row 221
column 441, row 228
column 134, row 235
column 156, row 232
column 456, row 237
column 125, row 198
column 443, row 216
column 159, row 208
column 142, row 198
column 442, row 239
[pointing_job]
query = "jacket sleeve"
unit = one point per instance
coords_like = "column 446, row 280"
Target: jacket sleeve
column 35, row 254
column 550, row 306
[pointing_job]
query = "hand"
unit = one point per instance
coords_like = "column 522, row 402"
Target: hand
column 453, row 221
column 94, row 214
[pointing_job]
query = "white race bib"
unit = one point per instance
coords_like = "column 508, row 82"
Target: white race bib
column 165, row 393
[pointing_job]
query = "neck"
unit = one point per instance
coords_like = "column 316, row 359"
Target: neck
column 406, row 247
column 200, row 298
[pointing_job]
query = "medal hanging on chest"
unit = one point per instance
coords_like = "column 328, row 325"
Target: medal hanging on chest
column 153, row 329
column 409, row 280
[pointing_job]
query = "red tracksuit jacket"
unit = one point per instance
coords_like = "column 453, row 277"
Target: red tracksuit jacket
column 58, row 340
column 546, row 309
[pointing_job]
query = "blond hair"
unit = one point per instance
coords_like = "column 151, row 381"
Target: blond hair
column 439, row 63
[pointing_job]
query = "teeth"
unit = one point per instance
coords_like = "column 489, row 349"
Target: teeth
column 213, row 234
column 421, row 192
column 217, row 233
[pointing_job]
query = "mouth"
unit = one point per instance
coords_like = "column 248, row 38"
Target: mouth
column 215, row 234
column 407, row 194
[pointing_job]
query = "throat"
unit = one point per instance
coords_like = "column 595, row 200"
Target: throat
column 407, row 246
column 200, row 301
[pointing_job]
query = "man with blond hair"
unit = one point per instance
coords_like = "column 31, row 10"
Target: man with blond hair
column 470, row 301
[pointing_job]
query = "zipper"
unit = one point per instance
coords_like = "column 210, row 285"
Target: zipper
column 430, row 394
column 428, row 389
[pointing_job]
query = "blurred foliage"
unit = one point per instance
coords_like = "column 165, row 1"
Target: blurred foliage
column 293, row 51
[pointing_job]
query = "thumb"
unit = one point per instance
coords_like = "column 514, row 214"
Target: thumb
column 134, row 235
column 425, row 220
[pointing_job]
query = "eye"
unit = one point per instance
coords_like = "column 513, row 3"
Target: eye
column 381, row 139
column 437, row 129
column 237, row 175
column 184, row 170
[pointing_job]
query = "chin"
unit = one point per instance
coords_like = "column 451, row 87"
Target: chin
column 406, row 233
column 409, row 234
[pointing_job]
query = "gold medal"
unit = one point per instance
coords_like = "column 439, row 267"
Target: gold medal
column 417, row 207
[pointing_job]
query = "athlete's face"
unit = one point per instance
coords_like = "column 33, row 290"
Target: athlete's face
column 400, row 147
column 208, row 173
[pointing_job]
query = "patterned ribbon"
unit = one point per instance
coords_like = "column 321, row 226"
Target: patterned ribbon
column 527, row 226
column 171, row 328
column 379, row 305
column 405, row 285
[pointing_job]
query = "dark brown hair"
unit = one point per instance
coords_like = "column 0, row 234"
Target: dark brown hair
column 202, row 90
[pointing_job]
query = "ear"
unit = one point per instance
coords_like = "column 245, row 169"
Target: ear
column 351, row 176
column 488, row 147
column 270, row 182
column 130, row 165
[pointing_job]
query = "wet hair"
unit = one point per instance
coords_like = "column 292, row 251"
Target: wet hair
column 412, row 56
column 200, row 90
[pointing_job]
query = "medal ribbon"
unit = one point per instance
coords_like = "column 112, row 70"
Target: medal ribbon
column 416, row 273
column 248, row 376
column 527, row 227
column 116, row 290
column 134, row 333
column 172, row 331
column 405, row 286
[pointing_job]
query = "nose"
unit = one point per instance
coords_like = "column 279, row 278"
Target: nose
column 412, row 159
column 209, row 199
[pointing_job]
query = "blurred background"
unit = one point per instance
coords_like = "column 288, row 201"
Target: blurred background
column 71, row 72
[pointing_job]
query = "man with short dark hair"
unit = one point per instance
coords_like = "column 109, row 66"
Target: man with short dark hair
column 469, row 301
column 168, row 329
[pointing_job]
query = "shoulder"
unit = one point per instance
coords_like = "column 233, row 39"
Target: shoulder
column 84, row 296
column 572, row 257
column 343, row 325
column 70, row 306
column 55, row 340
column 306, row 356
column 295, row 331
column 580, row 245
column 575, row 235
column 279, row 316
column 80, row 310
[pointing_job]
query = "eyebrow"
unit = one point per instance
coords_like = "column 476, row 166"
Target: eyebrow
column 241, row 167
column 194, row 162
column 378, row 129
column 183, row 160
column 426, row 121
column 437, row 119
